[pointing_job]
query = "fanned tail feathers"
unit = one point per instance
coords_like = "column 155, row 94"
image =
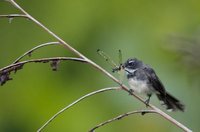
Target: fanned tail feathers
column 171, row 102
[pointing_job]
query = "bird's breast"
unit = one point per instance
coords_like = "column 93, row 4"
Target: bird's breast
column 139, row 86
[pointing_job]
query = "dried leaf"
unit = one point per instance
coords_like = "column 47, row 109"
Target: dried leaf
column 54, row 65
column 4, row 77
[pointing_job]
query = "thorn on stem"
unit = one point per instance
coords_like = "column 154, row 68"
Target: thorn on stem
column 44, row 61
column 143, row 113
column 29, row 54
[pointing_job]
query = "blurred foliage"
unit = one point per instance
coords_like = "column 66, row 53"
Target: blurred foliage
column 187, row 50
column 138, row 27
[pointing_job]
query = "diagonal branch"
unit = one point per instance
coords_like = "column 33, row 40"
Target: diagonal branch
column 67, row 46
column 142, row 112
column 33, row 49
column 46, row 29
column 75, row 102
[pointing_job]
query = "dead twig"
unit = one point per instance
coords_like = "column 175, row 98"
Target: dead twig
column 5, row 72
column 142, row 112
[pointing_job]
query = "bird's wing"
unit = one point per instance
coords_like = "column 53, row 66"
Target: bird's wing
column 154, row 80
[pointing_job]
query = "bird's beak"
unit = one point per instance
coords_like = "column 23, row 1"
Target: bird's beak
column 119, row 68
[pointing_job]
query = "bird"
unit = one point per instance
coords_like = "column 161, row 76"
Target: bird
column 142, row 79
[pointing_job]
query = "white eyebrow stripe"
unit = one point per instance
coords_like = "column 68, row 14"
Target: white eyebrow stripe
column 131, row 61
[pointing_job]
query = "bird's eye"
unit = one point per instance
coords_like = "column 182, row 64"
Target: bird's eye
column 131, row 63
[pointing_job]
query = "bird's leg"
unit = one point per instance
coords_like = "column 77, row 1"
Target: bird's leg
column 148, row 100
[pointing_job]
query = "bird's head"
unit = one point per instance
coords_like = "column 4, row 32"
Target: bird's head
column 132, row 64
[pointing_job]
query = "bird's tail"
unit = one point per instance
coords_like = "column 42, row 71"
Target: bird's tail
column 171, row 102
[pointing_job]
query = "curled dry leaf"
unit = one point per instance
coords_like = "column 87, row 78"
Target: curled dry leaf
column 4, row 77
column 54, row 65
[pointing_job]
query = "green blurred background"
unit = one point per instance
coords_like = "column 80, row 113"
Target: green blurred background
column 140, row 28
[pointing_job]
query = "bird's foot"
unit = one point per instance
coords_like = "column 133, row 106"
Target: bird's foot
column 130, row 91
column 147, row 102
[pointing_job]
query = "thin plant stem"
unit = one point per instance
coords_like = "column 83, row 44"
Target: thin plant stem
column 142, row 112
column 75, row 102
column 14, row 15
column 33, row 49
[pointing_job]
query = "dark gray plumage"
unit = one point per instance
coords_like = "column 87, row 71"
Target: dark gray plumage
column 143, row 79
